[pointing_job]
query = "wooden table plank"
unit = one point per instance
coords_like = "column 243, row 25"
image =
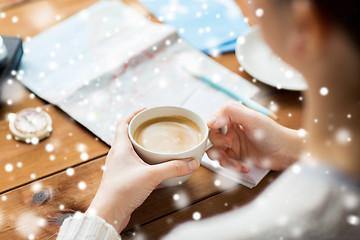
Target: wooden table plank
column 6, row 4
column 36, row 16
column 68, row 139
column 225, row 201
column 14, row 97
column 63, row 190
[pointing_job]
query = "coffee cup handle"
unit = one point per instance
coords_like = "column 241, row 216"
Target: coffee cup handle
column 223, row 131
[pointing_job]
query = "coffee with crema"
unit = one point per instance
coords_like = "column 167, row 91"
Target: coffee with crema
column 170, row 134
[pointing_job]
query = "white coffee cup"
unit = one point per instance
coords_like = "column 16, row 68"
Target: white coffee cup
column 152, row 157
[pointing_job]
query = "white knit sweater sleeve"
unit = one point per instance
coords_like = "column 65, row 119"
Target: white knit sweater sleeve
column 87, row 227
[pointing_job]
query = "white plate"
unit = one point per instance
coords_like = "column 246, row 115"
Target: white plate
column 258, row 60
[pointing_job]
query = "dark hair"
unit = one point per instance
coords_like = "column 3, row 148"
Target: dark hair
column 345, row 13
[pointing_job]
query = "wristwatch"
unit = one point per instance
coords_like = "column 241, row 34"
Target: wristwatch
column 30, row 125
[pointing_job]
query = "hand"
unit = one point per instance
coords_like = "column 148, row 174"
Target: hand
column 127, row 180
column 251, row 136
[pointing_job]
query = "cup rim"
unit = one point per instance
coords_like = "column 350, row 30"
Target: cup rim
column 161, row 153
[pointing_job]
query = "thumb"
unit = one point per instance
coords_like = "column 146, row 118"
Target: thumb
column 175, row 168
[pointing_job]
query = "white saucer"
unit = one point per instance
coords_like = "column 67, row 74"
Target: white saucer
column 258, row 60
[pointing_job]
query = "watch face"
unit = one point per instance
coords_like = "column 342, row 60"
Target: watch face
column 29, row 121
column 30, row 124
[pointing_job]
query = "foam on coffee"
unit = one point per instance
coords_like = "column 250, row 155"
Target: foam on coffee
column 171, row 134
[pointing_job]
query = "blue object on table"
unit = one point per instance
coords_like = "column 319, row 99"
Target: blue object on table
column 208, row 25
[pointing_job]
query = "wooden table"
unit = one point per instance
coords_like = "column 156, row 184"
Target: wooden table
column 40, row 191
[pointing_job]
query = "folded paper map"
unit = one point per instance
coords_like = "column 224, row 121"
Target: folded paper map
column 107, row 61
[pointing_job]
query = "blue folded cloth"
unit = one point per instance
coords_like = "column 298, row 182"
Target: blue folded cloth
column 209, row 25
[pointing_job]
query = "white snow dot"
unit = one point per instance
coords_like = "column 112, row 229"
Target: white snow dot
column 296, row 168
column 351, row 201
column 8, row 137
column 52, row 157
column 273, row 106
column 167, row 42
column 33, row 176
column 32, row 96
column 316, row 120
column 349, row 116
column 301, row 132
column 31, row 237
column 9, row 102
column 324, row 91
column 82, row 185
column 259, row 12
column 198, row 14
column 36, row 187
column 218, row 16
column 91, row 212
column 176, row 197
column 84, row 156
column 61, row 207
column 9, row 167
column 70, row 171
column 289, row 74
column 58, row 17
column 241, row 40
column 34, row 140
column 4, row 198
column 217, row 182
column 49, row 147
column 14, row 19
column 196, row 216
column 353, row 220
column 343, row 136
column 2, row 15
column 80, row 147
column 42, row 222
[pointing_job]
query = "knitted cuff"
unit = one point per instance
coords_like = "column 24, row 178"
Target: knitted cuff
column 87, row 227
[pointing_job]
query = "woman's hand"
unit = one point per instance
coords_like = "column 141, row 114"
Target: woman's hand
column 127, row 180
column 251, row 136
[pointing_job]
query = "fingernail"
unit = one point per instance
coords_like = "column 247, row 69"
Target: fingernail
column 193, row 164
column 245, row 169
column 226, row 145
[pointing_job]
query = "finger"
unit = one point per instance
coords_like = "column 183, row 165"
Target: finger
column 175, row 168
column 239, row 166
column 234, row 112
column 121, row 129
column 128, row 118
column 216, row 153
column 218, row 139
column 219, row 155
